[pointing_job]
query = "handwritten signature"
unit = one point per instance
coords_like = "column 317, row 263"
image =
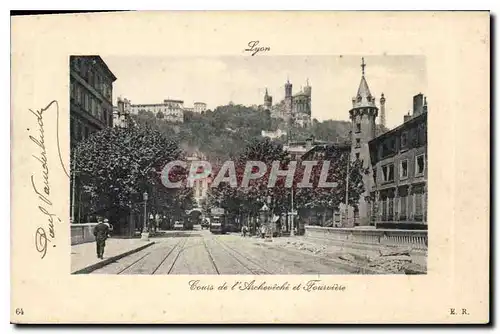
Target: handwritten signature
column 254, row 48
column 41, row 238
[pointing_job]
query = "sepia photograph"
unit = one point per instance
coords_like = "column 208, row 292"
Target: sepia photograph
column 285, row 164
column 184, row 167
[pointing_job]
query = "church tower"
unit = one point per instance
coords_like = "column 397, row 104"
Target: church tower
column 268, row 101
column 363, row 115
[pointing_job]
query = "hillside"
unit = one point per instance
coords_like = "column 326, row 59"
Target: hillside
column 222, row 133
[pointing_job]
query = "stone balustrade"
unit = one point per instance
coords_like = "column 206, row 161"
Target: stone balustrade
column 81, row 233
column 416, row 239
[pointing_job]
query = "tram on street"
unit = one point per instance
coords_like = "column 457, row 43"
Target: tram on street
column 217, row 221
column 193, row 217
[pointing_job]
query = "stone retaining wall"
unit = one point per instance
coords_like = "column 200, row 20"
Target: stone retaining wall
column 416, row 239
column 81, row 233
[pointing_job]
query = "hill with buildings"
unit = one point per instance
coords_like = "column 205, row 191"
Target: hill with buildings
column 224, row 132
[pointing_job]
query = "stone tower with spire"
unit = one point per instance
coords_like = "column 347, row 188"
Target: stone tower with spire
column 268, row 101
column 363, row 115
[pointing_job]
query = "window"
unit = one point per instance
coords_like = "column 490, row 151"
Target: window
column 78, row 95
column 418, row 206
column 388, row 173
column 402, row 209
column 404, row 140
column 357, row 156
column 78, row 131
column 110, row 119
column 72, row 127
column 85, row 101
column 76, row 62
column 375, row 175
column 391, row 208
column 420, row 164
column 358, row 142
column 403, row 169
column 358, row 127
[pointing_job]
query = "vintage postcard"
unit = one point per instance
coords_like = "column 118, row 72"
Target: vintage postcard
column 184, row 167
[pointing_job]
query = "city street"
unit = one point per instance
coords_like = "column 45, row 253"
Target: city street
column 201, row 252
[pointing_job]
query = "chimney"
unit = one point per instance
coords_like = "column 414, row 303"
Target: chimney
column 418, row 104
column 407, row 117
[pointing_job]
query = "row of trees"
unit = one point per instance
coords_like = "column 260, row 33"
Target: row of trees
column 246, row 202
column 115, row 166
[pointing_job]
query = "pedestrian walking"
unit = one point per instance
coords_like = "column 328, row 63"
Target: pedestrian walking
column 244, row 231
column 101, row 233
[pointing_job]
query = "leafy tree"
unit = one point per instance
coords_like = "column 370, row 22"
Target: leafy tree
column 116, row 165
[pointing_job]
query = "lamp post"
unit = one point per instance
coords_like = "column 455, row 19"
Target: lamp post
column 263, row 217
column 145, row 231
column 292, row 213
column 266, row 220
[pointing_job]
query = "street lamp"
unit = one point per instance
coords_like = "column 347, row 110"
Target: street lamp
column 265, row 221
column 145, row 232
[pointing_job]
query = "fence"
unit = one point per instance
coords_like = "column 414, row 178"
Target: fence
column 81, row 233
column 416, row 239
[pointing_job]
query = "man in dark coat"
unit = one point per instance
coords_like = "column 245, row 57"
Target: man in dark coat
column 101, row 232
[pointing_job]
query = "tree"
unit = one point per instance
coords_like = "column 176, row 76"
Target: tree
column 116, row 165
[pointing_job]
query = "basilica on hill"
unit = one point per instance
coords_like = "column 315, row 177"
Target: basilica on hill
column 295, row 109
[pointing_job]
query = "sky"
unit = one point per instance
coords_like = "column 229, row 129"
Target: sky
column 243, row 80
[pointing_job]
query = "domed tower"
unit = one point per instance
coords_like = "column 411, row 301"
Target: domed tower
column 363, row 115
column 268, row 101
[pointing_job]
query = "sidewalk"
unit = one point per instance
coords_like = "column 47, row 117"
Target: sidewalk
column 84, row 258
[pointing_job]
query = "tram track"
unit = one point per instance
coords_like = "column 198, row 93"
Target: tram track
column 168, row 255
column 184, row 241
column 133, row 263
column 145, row 258
column 211, row 258
column 260, row 270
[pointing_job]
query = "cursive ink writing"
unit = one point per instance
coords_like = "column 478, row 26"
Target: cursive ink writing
column 195, row 285
column 41, row 241
column 43, row 192
column 254, row 48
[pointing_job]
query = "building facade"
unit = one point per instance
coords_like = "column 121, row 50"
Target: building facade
column 121, row 114
column 273, row 134
column 169, row 110
column 297, row 149
column 91, row 110
column 399, row 164
column 201, row 183
column 293, row 109
column 91, row 96
column 200, row 107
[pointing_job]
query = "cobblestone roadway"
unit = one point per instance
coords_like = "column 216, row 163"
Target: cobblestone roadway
column 201, row 252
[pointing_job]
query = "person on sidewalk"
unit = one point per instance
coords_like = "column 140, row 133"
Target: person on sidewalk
column 101, row 232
